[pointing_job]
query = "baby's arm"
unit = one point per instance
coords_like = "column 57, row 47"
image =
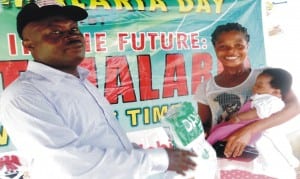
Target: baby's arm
column 262, row 106
column 244, row 116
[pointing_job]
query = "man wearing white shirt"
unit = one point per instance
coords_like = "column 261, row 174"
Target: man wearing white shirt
column 55, row 116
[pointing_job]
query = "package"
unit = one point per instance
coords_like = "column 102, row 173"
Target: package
column 184, row 127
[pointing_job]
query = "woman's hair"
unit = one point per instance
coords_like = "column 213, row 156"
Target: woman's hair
column 281, row 79
column 229, row 27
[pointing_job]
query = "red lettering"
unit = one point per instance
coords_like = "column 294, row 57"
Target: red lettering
column 118, row 80
column 88, row 46
column 122, row 41
column 100, row 40
column 167, row 43
column 25, row 51
column 10, row 70
column 201, row 69
column 169, row 145
column 158, row 145
column 145, row 79
column 175, row 76
column 141, row 42
column 89, row 63
column 12, row 44
column 195, row 41
column 152, row 36
column 182, row 41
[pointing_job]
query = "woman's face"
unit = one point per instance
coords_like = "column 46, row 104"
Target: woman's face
column 231, row 48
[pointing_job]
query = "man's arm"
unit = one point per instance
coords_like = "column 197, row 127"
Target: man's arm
column 35, row 127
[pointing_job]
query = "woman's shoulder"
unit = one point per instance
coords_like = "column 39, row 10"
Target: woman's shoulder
column 206, row 86
column 257, row 70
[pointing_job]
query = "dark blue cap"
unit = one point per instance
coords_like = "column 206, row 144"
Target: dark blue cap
column 32, row 12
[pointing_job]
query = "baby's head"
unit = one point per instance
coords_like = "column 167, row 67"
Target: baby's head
column 274, row 81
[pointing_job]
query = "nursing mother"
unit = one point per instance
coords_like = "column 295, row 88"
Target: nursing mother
column 225, row 93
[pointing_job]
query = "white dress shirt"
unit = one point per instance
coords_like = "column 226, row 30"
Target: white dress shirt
column 69, row 129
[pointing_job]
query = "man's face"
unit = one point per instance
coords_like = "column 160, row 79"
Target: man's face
column 55, row 41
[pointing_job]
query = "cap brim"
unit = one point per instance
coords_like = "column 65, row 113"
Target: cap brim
column 32, row 12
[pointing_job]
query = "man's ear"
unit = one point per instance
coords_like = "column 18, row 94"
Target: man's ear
column 28, row 44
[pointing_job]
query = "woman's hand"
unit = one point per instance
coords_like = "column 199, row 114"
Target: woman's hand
column 237, row 141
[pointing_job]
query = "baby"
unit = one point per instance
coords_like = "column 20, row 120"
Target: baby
column 270, row 86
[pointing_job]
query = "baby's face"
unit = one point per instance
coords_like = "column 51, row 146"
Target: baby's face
column 263, row 86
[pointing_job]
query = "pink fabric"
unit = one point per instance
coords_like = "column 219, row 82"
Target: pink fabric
column 240, row 174
column 220, row 131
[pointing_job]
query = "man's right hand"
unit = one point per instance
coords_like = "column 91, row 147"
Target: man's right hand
column 180, row 160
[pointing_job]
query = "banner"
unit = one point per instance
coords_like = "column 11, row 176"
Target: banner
column 143, row 55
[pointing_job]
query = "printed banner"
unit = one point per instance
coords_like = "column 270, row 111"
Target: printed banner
column 143, row 55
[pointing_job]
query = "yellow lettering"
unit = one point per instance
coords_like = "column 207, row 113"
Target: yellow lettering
column 120, row 3
column 95, row 3
column 218, row 5
column 146, row 116
column 140, row 5
column 3, row 137
column 133, row 116
column 158, row 113
column 77, row 3
column 203, row 5
column 5, row 3
column 155, row 4
column 60, row 2
column 19, row 3
column 185, row 5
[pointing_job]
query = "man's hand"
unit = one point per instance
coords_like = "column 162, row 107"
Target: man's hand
column 180, row 160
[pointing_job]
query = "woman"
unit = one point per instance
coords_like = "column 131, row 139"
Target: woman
column 224, row 94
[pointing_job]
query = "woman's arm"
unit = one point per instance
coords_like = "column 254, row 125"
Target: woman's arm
column 205, row 115
column 239, row 139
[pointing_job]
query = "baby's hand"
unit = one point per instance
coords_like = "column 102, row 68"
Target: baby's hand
column 234, row 119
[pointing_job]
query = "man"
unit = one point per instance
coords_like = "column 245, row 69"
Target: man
column 54, row 115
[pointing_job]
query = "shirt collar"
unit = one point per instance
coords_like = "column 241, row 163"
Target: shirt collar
column 54, row 74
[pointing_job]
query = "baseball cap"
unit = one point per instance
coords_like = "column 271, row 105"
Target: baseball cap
column 32, row 12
